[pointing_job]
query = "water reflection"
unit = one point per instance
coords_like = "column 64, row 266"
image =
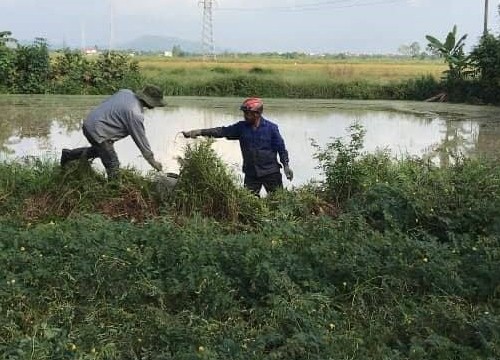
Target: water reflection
column 41, row 126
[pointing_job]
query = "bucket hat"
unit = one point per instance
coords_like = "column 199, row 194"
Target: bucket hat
column 152, row 95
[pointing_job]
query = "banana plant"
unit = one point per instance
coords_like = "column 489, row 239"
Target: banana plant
column 5, row 37
column 453, row 53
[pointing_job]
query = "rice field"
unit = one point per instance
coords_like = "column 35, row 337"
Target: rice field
column 379, row 71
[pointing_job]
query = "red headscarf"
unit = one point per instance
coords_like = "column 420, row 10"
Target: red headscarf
column 252, row 104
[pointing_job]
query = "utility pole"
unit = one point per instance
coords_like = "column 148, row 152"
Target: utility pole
column 207, row 32
column 485, row 18
column 111, row 25
column 83, row 45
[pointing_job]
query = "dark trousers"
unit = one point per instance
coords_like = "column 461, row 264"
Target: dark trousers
column 271, row 182
column 105, row 151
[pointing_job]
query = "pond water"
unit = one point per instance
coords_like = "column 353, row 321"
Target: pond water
column 41, row 126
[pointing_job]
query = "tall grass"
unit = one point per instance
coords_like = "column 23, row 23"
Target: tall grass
column 276, row 86
column 206, row 186
column 40, row 191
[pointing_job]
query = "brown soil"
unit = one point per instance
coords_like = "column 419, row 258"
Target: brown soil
column 130, row 205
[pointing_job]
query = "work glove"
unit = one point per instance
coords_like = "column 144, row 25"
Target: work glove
column 191, row 134
column 156, row 164
column 288, row 172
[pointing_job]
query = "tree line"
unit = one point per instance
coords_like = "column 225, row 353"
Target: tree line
column 473, row 77
column 31, row 69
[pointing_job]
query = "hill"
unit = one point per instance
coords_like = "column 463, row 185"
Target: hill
column 159, row 43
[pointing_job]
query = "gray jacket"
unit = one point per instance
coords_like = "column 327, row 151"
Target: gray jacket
column 117, row 117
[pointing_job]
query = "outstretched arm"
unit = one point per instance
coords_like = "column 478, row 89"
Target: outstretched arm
column 212, row 132
column 231, row 132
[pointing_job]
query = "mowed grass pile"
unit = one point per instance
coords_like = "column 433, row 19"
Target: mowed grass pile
column 406, row 267
column 321, row 79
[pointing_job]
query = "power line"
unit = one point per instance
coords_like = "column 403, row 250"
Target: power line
column 324, row 5
column 289, row 7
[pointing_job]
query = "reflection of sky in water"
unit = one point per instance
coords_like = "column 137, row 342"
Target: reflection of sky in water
column 401, row 133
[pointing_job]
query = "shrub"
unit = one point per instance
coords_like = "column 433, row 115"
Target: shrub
column 206, row 186
column 260, row 70
column 31, row 68
column 338, row 162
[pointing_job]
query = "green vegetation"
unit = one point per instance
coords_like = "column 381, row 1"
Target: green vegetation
column 73, row 73
column 204, row 173
column 29, row 69
column 486, row 58
column 382, row 260
column 474, row 77
column 272, row 85
column 452, row 50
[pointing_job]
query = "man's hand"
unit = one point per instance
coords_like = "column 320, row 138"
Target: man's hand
column 193, row 134
column 288, row 172
column 157, row 165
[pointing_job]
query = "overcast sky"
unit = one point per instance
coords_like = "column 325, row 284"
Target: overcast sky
column 368, row 26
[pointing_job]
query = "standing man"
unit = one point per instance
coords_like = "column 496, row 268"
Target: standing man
column 120, row 115
column 260, row 143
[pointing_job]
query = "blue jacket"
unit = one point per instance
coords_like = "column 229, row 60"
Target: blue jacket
column 259, row 147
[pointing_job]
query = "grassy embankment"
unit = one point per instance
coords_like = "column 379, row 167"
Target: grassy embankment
column 354, row 79
column 383, row 260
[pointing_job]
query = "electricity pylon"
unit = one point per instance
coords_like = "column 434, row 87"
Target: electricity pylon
column 207, row 32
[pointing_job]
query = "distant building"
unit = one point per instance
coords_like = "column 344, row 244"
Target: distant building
column 11, row 44
column 168, row 53
column 91, row 51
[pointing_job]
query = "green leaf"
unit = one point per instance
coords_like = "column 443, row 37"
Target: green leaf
column 435, row 43
column 450, row 41
column 461, row 41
